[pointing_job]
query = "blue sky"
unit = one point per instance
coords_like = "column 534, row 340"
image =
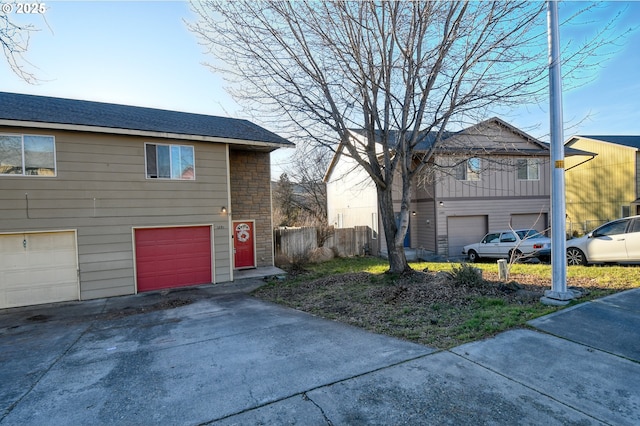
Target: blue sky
column 141, row 53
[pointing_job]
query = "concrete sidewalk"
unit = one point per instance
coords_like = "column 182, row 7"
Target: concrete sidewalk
column 202, row 356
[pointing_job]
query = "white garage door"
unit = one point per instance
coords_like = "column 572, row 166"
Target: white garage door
column 463, row 230
column 38, row 268
column 537, row 221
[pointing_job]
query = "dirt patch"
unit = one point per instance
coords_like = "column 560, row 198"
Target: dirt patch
column 426, row 307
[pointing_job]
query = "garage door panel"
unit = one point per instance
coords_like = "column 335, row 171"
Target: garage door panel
column 11, row 245
column 173, row 257
column 463, row 230
column 38, row 268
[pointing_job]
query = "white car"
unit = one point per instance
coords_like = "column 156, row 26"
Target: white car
column 510, row 244
column 614, row 242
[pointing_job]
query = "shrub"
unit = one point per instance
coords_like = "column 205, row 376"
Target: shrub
column 467, row 275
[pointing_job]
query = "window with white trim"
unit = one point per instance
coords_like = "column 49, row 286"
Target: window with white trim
column 529, row 169
column 27, row 155
column 169, row 161
column 468, row 169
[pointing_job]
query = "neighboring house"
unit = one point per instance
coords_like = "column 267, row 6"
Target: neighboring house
column 486, row 177
column 606, row 186
column 100, row 200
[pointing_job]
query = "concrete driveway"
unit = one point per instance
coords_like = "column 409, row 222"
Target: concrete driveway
column 195, row 356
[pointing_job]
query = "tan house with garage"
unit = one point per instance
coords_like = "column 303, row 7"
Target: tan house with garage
column 487, row 177
column 100, row 200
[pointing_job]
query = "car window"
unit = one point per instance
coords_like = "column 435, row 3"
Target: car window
column 508, row 237
column 491, row 238
column 635, row 227
column 528, row 233
column 613, row 228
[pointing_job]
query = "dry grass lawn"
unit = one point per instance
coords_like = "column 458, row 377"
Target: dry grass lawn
column 441, row 304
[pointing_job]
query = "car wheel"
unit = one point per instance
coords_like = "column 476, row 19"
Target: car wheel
column 473, row 256
column 514, row 255
column 576, row 256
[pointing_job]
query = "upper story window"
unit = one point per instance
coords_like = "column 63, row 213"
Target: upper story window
column 468, row 169
column 169, row 161
column 27, row 155
column 529, row 169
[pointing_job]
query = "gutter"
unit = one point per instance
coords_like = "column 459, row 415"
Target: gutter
column 143, row 133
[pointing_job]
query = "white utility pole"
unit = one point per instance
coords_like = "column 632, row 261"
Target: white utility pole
column 558, row 295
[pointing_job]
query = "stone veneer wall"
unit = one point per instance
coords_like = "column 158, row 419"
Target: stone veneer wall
column 251, row 198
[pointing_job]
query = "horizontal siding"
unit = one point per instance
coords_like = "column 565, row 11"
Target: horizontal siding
column 105, row 239
column 104, row 247
column 105, row 257
column 89, row 267
column 222, row 274
column 101, row 191
column 110, row 274
column 41, row 186
column 109, row 291
column 94, row 285
column 80, row 223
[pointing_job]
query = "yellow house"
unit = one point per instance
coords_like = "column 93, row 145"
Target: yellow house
column 605, row 186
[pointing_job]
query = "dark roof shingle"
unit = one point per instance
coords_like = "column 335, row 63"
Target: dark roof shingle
column 42, row 109
column 630, row 141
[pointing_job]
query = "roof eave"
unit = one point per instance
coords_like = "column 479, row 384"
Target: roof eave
column 141, row 133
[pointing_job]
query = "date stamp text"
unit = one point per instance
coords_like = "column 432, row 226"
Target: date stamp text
column 23, row 8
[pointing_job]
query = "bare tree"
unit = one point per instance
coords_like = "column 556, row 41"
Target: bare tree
column 300, row 195
column 397, row 70
column 14, row 39
column 306, row 169
column 285, row 206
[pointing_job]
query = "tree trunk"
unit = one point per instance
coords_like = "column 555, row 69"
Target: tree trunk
column 395, row 242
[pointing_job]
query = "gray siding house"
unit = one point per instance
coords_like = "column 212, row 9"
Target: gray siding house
column 487, row 177
column 100, row 200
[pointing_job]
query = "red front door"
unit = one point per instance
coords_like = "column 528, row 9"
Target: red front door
column 243, row 245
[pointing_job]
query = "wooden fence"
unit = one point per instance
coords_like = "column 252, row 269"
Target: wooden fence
column 296, row 243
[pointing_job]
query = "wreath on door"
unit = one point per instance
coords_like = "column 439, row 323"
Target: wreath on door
column 242, row 232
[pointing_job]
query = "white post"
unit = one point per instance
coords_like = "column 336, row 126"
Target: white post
column 558, row 295
column 503, row 271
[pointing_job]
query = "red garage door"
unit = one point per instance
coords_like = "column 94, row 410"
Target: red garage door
column 173, row 257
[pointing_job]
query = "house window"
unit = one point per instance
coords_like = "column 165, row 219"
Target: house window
column 529, row 169
column 27, row 155
column 468, row 169
column 169, row 162
column 626, row 211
